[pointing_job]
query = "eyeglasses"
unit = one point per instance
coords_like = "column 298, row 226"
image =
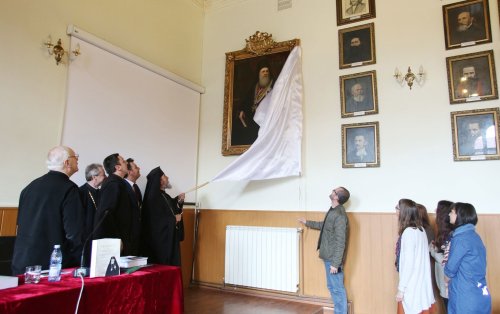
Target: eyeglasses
column 76, row 156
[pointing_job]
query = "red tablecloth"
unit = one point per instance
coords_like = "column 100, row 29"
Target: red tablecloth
column 154, row 289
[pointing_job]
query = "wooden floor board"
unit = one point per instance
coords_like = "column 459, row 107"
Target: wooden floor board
column 202, row 300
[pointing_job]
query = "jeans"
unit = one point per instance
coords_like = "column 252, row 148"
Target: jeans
column 335, row 284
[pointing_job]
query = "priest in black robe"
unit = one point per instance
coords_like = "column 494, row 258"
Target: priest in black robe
column 114, row 212
column 50, row 213
column 162, row 225
column 89, row 193
column 245, row 131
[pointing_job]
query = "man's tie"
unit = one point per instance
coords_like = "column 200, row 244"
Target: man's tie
column 138, row 195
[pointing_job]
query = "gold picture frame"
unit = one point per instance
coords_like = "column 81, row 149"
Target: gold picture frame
column 360, row 145
column 472, row 77
column 349, row 12
column 476, row 134
column 241, row 93
column 357, row 46
column 358, row 94
column 466, row 23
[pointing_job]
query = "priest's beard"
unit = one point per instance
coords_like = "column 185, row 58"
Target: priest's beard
column 356, row 53
column 264, row 81
column 472, row 85
column 463, row 28
column 359, row 98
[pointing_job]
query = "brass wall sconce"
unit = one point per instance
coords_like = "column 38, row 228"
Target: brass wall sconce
column 409, row 78
column 58, row 51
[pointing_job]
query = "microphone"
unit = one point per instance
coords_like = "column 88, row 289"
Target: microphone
column 82, row 270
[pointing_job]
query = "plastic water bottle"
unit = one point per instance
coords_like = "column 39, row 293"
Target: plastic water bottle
column 55, row 264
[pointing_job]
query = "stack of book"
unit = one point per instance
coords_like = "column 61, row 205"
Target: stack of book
column 8, row 282
column 132, row 261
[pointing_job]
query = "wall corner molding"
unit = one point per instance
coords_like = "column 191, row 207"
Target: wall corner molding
column 218, row 4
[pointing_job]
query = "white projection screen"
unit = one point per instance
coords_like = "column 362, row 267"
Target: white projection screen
column 117, row 106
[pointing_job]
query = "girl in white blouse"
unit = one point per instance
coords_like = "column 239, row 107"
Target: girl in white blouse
column 415, row 294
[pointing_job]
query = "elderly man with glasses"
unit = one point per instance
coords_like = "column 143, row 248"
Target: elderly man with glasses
column 50, row 212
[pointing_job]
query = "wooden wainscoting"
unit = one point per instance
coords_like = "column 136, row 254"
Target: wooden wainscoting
column 187, row 245
column 8, row 221
column 370, row 276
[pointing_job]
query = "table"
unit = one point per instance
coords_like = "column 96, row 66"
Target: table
column 154, row 289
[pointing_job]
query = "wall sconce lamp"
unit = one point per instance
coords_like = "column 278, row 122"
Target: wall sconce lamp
column 58, row 51
column 409, row 77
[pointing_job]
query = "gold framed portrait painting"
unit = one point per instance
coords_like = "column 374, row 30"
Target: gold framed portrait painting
column 472, row 77
column 357, row 46
column 475, row 134
column 360, row 145
column 250, row 74
column 358, row 94
column 466, row 23
column 350, row 11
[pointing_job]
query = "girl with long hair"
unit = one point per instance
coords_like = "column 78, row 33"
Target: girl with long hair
column 426, row 222
column 440, row 248
column 415, row 293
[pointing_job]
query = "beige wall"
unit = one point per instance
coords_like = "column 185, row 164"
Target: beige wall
column 415, row 135
column 415, row 128
column 33, row 88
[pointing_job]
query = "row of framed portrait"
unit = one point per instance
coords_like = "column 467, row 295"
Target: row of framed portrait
column 475, row 135
column 465, row 23
column 471, row 77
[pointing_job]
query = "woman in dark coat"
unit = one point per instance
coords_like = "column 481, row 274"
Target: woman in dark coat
column 162, row 225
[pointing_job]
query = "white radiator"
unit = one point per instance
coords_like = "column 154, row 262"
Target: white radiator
column 263, row 257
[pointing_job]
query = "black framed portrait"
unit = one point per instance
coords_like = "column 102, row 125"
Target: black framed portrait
column 349, row 11
column 475, row 134
column 472, row 77
column 358, row 94
column 466, row 23
column 357, row 46
column 360, row 145
column 250, row 75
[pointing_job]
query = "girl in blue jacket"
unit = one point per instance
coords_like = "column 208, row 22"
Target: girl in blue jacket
column 466, row 266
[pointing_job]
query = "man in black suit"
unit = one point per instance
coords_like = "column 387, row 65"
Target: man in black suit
column 50, row 212
column 358, row 101
column 361, row 153
column 357, row 50
column 467, row 30
column 134, row 172
column 470, row 85
column 114, row 213
column 356, row 7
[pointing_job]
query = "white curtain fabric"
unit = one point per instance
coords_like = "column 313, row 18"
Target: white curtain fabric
column 276, row 152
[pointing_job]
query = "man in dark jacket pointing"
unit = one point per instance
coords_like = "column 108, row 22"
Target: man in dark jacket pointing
column 332, row 246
